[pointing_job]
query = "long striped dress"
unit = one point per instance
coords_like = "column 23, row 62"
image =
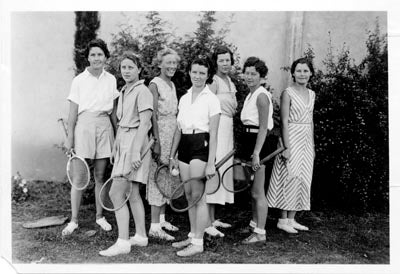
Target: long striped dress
column 290, row 183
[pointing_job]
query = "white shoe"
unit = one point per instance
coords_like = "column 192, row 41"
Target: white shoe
column 190, row 250
column 213, row 231
column 218, row 223
column 69, row 228
column 134, row 241
column 160, row 234
column 102, row 222
column 169, row 226
column 296, row 225
column 120, row 247
column 283, row 224
column 183, row 243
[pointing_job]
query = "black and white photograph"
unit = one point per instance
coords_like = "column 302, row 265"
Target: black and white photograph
column 200, row 139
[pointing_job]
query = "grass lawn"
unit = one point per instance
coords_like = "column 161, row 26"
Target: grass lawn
column 334, row 237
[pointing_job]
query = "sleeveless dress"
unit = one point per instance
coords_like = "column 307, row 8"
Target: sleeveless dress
column 167, row 110
column 227, row 99
column 290, row 183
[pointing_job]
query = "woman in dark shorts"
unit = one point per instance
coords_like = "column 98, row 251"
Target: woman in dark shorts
column 195, row 139
column 256, row 117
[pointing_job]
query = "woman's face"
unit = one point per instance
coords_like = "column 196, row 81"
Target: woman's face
column 252, row 77
column 198, row 75
column 169, row 65
column 96, row 58
column 129, row 71
column 302, row 74
column 224, row 63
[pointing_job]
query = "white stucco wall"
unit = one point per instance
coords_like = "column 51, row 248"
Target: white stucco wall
column 42, row 65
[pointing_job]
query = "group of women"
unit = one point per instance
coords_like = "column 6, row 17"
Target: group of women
column 190, row 135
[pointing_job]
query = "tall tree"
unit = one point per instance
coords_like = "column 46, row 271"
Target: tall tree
column 87, row 23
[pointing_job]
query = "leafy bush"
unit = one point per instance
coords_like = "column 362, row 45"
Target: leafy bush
column 20, row 191
column 351, row 129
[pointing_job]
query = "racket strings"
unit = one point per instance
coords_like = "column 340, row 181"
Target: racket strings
column 78, row 173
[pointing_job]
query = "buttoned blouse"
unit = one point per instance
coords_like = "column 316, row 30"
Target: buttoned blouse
column 226, row 95
column 131, row 102
column 196, row 115
column 94, row 94
column 249, row 114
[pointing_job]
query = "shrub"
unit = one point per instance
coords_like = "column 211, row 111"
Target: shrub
column 20, row 190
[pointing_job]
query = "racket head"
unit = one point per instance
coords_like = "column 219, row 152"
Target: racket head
column 165, row 182
column 213, row 184
column 180, row 203
column 104, row 195
column 243, row 177
column 78, row 172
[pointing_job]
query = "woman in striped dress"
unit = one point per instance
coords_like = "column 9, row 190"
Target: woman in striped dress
column 290, row 183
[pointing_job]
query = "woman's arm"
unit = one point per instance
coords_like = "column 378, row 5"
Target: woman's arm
column 72, row 118
column 285, row 105
column 212, row 149
column 174, row 147
column 145, row 121
column 154, row 121
column 263, row 110
column 113, row 117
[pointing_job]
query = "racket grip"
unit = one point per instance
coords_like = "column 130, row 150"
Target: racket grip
column 64, row 127
column 226, row 158
column 147, row 148
column 273, row 154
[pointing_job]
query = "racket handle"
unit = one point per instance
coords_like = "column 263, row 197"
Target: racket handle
column 273, row 154
column 64, row 127
column 226, row 158
column 147, row 148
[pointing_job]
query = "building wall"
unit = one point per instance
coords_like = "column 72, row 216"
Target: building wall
column 42, row 64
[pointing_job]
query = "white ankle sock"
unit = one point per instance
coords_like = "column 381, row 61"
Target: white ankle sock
column 139, row 238
column 191, row 235
column 162, row 218
column 253, row 224
column 259, row 231
column 197, row 241
column 155, row 226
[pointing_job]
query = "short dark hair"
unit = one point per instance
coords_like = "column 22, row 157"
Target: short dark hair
column 204, row 60
column 99, row 44
column 258, row 64
column 131, row 56
column 221, row 50
column 302, row 60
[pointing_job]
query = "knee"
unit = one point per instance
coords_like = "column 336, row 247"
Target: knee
column 257, row 195
column 135, row 197
column 99, row 176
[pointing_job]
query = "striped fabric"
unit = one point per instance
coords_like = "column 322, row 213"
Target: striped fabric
column 290, row 183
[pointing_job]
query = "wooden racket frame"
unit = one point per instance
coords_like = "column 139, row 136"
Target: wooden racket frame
column 146, row 150
column 250, row 174
column 71, row 155
column 200, row 178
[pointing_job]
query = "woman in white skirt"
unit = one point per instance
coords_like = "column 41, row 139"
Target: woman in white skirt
column 225, row 90
column 90, row 130
column 134, row 111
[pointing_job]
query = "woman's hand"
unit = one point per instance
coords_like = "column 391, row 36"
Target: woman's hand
column 69, row 145
column 210, row 171
column 136, row 161
column 156, row 151
column 255, row 161
column 286, row 154
column 172, row 164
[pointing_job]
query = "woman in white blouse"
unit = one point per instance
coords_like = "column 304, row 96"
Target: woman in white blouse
column 195, row 140
column 256, row 117
column 90, row 129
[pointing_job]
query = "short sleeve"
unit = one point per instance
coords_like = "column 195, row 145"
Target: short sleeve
column 74, row 93
column 114, row 89
column 145, row 99
column 214, row 106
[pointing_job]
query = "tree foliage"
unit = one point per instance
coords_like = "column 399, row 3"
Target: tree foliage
column 87, row 23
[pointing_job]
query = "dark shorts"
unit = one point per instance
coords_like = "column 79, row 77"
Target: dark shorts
column 193, row 146
column 248, row 141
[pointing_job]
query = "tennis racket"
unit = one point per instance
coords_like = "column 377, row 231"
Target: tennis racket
column 78, row 171
column 243, row 174
column 166, row 182
column 179, row 203
column 105, row 200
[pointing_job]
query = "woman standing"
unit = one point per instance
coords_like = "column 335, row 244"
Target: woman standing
column 256, row 117
column 165, row 105
column 195, row 139
column 134, row 111
column 290, row 183
column 90, row 131
column 225, row 90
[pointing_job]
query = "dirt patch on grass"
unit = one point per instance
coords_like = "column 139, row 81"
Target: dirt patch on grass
column 334, row 237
